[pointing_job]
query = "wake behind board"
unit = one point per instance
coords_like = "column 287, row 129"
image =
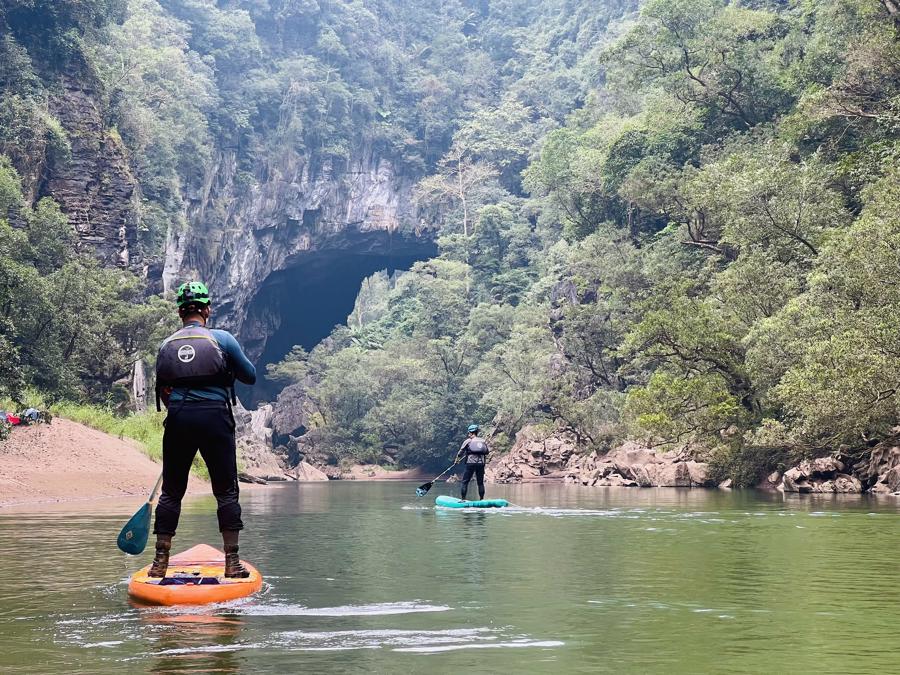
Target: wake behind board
column 194, row 577
column 454, row 503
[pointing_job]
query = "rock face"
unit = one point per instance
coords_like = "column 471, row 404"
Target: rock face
column 535, row 457
column 770, row 482
column 305, row 471
column 299, row 217
column 254, row 442
column 880, row 471
column 633, row 465
column 824, row 474
column 261, row 230
column 256, row 453
column 94, row 185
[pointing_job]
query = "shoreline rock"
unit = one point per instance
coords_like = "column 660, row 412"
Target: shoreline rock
column 372, row 472
column 539, row 456
column 551, row 457
column 305, row 471
column 880, row 471
column 820, row 475
column 536, row 457
column 873, row 471
column 254, row 441
column 533, row 457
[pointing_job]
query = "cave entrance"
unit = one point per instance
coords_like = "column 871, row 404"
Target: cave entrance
column 302, row 304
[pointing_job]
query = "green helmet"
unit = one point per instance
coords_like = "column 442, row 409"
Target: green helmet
column 192, row 292
column 473, row 428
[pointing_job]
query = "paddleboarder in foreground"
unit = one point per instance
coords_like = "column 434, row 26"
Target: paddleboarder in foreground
column 475, row 451
column 195, row 372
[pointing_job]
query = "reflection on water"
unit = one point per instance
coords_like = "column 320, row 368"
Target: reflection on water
column 193, row 643
column 365, row 577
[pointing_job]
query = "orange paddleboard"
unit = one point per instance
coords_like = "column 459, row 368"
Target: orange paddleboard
column 195, row 577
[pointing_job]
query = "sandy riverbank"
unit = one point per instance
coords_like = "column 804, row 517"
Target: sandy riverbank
column 377, row 473
column 66, row 461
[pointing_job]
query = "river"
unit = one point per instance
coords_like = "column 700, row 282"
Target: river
column 365, row 577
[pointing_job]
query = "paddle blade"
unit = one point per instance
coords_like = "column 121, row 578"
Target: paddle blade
column 423, row 489
column 133, row 537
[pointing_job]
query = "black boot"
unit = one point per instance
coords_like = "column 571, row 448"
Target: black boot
column 233, row 567
column 161, row 561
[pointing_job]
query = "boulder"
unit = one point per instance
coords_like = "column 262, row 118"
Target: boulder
column 307, row 472
column 823, row 465
column 533, row 456
column 630, row 458
column 770, row 482
column 820, row 475
column 614, row 480
column 795, row 480
column 846, row 483
column 291, row 412
column 699, row 473
column 881, row 469
column 655, row 474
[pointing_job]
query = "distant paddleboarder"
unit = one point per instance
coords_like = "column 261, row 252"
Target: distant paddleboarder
column 195, row 372
column 475, row 451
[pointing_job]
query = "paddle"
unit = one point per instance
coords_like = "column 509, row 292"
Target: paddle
column 423, row 489
column 133, row 537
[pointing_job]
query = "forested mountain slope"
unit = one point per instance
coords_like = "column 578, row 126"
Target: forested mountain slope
column 703, row 256
column 254, row 143
column 675, row 223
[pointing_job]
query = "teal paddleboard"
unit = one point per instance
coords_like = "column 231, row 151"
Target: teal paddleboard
column 454, row 503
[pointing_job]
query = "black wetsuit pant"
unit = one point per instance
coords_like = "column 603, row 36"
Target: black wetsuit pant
column 207, row 426
column 478, row 471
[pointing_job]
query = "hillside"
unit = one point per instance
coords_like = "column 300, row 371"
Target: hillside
column 672, row 222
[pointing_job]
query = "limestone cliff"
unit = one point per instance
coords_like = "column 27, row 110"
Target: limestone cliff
column 246, row 240
column 94, row 186
column 90, row 180
column 266, row 248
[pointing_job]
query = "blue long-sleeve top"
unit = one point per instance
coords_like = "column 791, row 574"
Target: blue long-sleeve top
column 238, row 362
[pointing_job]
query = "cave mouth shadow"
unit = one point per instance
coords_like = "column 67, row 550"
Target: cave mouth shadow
column 301, row 305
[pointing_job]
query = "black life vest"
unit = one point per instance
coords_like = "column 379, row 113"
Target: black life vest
column 477, row 446
column 191, row 357
column 476, row 449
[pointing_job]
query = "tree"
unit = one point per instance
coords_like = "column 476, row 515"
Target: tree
column 709, row 53
column 70, row 328
column 829, row 357
column 458, row 183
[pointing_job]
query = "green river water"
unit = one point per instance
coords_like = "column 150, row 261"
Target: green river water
column 365, row 577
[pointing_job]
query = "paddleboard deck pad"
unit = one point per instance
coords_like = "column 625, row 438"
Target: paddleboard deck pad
column 454, row 503
column 194, row 577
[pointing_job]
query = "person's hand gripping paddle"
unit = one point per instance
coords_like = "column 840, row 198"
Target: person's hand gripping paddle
column 423, row 489
column 133, row 537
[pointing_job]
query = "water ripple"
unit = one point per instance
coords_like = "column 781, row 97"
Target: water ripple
column 378, row 609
